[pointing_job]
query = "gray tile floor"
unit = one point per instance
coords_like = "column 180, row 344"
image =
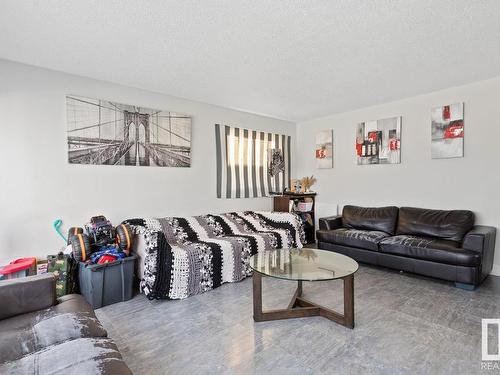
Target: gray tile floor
column 405, row 324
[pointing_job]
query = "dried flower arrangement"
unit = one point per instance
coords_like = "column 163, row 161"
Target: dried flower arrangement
column 306, row 183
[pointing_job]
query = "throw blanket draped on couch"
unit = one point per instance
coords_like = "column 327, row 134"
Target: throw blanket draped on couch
column 184, row 256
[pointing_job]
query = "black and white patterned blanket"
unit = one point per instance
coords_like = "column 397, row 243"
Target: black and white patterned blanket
column 185, row 256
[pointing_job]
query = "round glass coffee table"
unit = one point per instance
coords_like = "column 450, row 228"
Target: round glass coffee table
column 303, row 265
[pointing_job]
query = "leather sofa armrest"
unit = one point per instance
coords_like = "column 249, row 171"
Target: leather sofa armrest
column 330, row 223
column 480, row 238
column 27, row 294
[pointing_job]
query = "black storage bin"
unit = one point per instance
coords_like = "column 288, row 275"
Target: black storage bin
column 108, row 283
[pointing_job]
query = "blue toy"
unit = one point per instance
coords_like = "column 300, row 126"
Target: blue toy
column 107, row 250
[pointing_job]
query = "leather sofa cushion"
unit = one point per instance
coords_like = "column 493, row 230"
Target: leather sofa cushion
column 87, row 356
column 431, row 249
column 370, row 218
column 364, row 239
column 72, row 318
column 447, row 225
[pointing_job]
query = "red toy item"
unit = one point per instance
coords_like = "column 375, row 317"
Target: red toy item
column 106, row 259
column 18, row 265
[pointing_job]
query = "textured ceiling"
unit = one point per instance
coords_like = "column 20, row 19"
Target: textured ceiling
column 294, row 60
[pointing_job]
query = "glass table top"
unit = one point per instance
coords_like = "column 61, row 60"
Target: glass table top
column 303, row 264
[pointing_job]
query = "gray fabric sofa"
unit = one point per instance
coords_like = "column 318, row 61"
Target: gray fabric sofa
column 44, row 335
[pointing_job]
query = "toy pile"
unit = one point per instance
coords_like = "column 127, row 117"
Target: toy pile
column 99, row 242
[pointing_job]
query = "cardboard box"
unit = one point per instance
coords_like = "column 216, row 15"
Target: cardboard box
column 42, row 267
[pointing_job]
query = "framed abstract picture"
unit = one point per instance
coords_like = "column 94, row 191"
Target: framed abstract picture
column 447, row 131
column 324, row 149
column 379, row 142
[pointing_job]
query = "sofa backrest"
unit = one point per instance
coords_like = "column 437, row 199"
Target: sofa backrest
column 178, row 230
column 449, row 225
column 26, row 294
column 370, row 218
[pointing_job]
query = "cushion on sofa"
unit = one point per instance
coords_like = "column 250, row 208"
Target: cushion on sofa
column 87, row 356
column 370, row 218
column 72, row 318
column 364, row 239
column 431, row 249
column 447, row 225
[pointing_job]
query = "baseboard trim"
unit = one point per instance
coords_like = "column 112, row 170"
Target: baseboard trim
column 496, row 270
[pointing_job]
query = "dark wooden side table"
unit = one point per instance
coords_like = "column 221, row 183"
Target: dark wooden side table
column 289, row 202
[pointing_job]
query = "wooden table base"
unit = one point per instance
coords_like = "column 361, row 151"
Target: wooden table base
column 299, row 307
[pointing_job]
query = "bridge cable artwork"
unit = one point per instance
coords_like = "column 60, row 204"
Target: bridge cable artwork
column 102, row 132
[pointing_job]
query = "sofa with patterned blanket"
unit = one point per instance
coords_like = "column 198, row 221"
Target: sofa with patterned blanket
column 183, row 256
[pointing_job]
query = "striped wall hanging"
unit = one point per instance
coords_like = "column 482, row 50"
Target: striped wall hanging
column 251, row 163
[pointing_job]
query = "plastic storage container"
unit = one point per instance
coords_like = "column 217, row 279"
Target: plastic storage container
column 108, row 283
column 21, row 267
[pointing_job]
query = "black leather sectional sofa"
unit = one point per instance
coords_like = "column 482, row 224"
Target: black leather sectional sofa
column 436, row 243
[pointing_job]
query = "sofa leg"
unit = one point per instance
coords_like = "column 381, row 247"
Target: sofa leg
column 465, row 286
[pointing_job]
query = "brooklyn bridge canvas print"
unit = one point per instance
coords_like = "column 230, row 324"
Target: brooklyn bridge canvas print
column 105, row 132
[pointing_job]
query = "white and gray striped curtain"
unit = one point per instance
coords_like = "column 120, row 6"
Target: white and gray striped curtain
column 242, row 162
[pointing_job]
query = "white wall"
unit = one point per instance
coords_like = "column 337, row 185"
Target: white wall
column 37, row 185
column 472, row 182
